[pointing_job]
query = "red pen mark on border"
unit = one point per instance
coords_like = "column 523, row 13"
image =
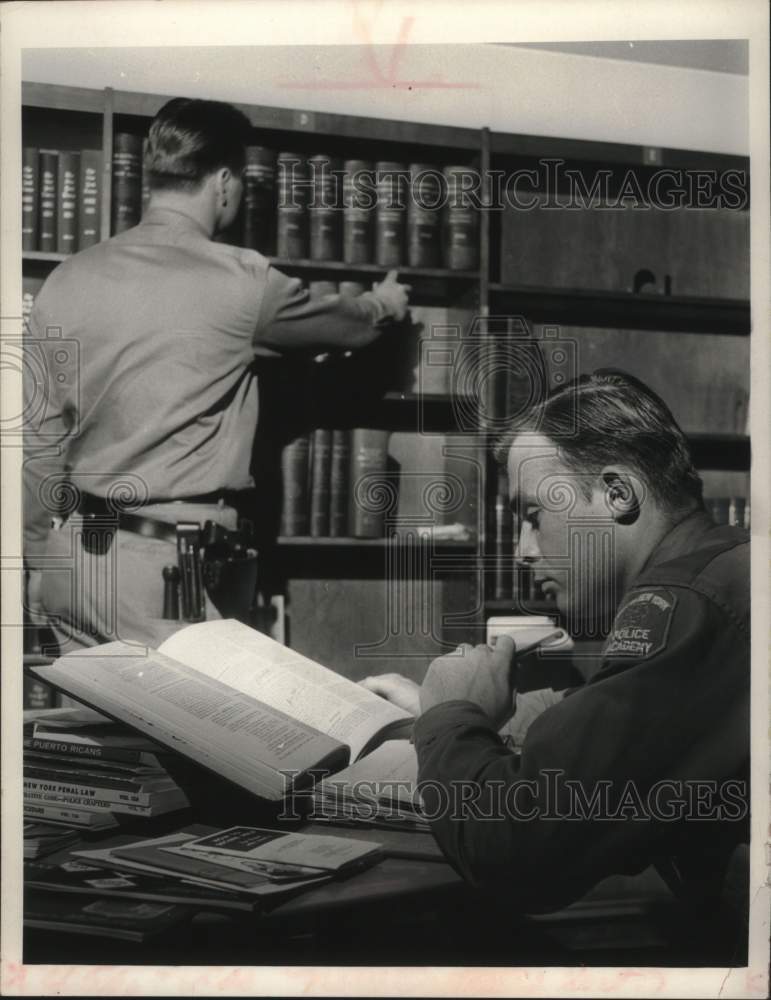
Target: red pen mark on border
column 378, row 79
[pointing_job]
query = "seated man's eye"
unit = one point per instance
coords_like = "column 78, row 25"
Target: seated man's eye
column 533, row 516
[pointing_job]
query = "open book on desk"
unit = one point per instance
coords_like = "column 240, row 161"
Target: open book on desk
column 234, row 701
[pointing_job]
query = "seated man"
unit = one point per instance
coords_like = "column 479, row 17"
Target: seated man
column 648, row 762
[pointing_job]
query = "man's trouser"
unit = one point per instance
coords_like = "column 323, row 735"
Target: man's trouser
column 93, row 596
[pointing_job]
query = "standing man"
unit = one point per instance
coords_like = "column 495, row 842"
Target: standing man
column 151, row 419
column 648, row 762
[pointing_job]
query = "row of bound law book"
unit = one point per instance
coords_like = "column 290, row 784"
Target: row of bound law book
column 61, row 195
column 359, row 212
column 330, row 483
column 317, row 208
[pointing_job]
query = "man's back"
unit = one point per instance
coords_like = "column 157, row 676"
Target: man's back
column 165, row 320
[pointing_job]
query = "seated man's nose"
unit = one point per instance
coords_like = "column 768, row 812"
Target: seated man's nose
column 526, row 550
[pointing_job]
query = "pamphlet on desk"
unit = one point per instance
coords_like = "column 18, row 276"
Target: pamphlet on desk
column 234, row 701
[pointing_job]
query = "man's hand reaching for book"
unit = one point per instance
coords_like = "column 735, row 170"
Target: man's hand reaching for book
column 397, row 689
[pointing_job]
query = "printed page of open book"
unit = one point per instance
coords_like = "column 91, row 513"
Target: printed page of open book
column 284, row 679
column 233, row 734
column 390, row 771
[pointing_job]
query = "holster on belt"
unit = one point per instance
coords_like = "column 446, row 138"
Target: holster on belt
column 222, row 563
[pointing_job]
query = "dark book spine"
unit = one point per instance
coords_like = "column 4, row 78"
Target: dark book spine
column 461, row 222
column 292, row 207
column 294, row 480
column 260, row 199
column 30, row 195
column 503, row 540
column 367, row 490
column 49, row 169
column 390, row 214
column 358, row 211
column 338, row 483
column 324, row 209
column 145, row 180
column 90, row 208
column 126, row 181
column 68, row 180
column 37, row 694
column 424, row 216
column 321, row 467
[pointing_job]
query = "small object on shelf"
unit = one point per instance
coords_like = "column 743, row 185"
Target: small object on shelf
column 390, row 214
column 358, row 209
column 292, row 210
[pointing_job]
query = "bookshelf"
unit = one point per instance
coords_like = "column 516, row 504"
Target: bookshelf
column 349, row 570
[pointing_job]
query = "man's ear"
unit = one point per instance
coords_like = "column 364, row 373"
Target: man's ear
column 623, row 494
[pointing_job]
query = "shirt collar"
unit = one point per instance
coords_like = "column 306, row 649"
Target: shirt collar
column 175, row 218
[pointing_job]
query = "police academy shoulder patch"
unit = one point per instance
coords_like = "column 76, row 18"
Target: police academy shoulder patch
column 641, row 627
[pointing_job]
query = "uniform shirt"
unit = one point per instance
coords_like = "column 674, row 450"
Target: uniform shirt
column 146, row 343
column 670, row 703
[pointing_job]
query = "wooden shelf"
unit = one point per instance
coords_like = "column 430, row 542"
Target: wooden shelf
column 306, row 541
column 373, row 270
column 38, row 257
column 586, row 307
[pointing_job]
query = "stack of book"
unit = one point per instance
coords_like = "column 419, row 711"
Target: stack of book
column 335, row 484
column 45, row 838
column 235, row 869
column 82, row 770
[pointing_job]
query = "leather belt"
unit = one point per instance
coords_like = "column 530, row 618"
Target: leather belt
column 93, row 507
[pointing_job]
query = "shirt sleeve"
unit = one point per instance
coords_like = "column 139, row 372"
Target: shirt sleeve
column 290, row 320
column 588, row 796
column 46, row 428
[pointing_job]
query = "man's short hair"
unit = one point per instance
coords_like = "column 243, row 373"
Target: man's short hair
column 190, row 139
column 611, row 416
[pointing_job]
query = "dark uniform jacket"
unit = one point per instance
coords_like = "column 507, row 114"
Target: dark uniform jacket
column 646, row 763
